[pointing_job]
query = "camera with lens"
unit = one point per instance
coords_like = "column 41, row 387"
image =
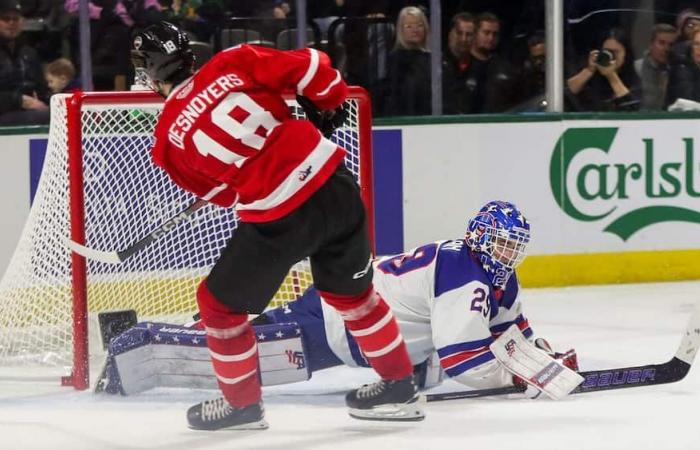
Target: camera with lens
column 604, row 58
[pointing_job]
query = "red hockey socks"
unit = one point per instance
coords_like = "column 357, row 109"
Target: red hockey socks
column 372, row 324
column 233, row 349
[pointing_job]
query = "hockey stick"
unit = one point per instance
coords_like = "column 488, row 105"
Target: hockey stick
column 119, row 256
column 607, row 379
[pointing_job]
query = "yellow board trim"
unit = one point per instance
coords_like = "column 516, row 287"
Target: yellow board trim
column 609, row 268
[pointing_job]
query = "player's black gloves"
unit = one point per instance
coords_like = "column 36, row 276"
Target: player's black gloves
column 326, row 121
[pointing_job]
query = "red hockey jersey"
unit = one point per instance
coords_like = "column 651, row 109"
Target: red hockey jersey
column 227, row 135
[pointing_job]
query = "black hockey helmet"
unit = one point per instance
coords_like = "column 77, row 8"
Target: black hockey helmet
column 162, row 51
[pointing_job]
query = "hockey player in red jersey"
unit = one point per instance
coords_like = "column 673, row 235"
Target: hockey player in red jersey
column 453, row 301
column 226, row 135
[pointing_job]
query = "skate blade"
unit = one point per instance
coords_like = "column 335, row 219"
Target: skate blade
column 259, row 425
column 398, row 412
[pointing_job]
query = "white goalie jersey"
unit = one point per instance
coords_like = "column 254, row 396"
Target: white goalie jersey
column 444, row 303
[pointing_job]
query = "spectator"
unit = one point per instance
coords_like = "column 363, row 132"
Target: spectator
column 175, row 11
column 282, row 10
column 366, row 8
column 144, row 12
column 260, row 8
column 42, row 29
column 687, row 22
column 266, row 17
column 684, row 79
column 607, row 82
column 490, row 76
column 110, row 32
column 324, row 12
column 201, row 19
column 60, row 76
column 23, row 92
column 409, row 65
column 360, row 46
column 532, row 77
column 653, row 68
column 456, row 63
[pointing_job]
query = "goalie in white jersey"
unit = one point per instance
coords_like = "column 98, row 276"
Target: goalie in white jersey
column 451, row 298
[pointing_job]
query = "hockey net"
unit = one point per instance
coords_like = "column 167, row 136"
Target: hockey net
column 98, row 150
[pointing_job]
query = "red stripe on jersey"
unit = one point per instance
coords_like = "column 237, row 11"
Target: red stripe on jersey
column 523, row 325
column 458, row 358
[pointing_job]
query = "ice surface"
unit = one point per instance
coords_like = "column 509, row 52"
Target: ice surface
column 610, row 326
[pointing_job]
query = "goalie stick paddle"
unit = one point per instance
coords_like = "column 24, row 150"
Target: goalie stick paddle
column 607, row 379
column 119, row 256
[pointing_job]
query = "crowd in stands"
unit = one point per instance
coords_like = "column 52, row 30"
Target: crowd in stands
column 493, row 52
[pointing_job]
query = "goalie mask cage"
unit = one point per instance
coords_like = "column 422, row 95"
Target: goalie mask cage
column 99, row 188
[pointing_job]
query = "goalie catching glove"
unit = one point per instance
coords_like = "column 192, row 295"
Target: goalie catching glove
column 327, row 121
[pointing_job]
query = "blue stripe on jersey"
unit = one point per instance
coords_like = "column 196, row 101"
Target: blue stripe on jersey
column 510, row 293
column 463, row 346
column 470, row 364
column 501, row 327
column 455, row 267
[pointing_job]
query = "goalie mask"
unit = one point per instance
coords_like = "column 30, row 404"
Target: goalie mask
column 498, row 235
column 161, row 54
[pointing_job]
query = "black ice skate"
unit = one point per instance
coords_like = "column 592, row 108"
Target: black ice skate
column 385, row 400
column 218, row 414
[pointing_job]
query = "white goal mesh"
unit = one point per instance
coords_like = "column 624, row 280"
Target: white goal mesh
column 124, row 197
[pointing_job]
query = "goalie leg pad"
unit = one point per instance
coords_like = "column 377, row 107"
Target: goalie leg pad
column 534, row 366
column 153, row 355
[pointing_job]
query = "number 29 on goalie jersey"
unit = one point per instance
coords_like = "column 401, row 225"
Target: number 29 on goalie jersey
column 443, row 287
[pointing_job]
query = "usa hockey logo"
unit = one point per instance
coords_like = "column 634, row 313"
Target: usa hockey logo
column 296, row 357
column 510, row 348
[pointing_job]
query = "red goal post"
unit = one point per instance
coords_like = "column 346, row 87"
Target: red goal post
column 98, row 153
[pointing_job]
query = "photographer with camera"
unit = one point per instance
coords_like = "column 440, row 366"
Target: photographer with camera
column 608, row 82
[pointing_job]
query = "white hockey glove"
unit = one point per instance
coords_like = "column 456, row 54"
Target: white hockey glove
column 568, row 358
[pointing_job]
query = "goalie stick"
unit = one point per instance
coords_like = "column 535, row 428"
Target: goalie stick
column 119, row 256
column 607, row 379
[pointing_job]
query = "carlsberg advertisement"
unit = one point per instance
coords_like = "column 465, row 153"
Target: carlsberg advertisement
column 652, row 185
column 587, row 186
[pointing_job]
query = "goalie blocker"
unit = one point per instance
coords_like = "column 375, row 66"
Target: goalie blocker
column 535, row 367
